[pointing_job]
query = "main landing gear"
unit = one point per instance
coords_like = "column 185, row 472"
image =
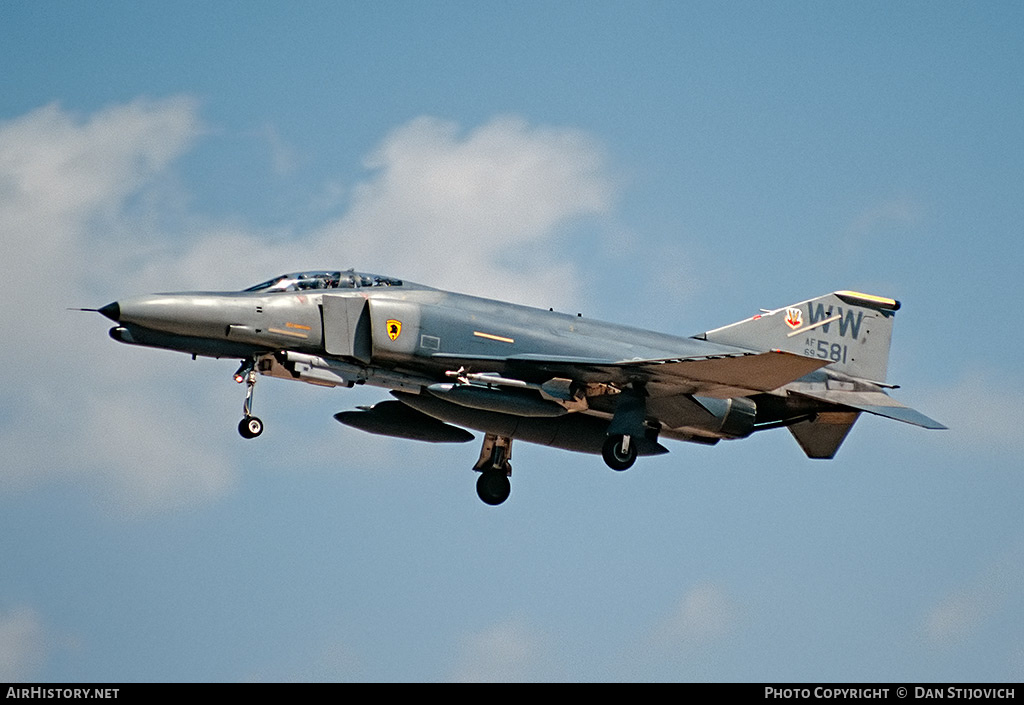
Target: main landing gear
column 493, row 486
column 619, row 452
column 250, row 426
column 626, row 429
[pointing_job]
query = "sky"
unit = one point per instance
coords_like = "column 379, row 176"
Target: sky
column 671, row 165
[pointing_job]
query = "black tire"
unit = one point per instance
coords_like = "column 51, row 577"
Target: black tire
column 615, row 457
column 493, row 487
column 250, row 427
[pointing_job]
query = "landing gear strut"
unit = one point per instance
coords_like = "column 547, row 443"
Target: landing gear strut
column 493, row 486
column 250, row 426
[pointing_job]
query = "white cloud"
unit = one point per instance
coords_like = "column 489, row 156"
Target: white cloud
column 957, row 616
column 66, row 183
column 965, row 611
column 894, row 212
column 705, row 614
column 22, row 645
column 462, row 210
column 283, row 157
column 162, row 454
column 982, row 411
column 80, row 166
column 466, row 212
column 690, row 636
column 64, row 180
column 892, row 217
column 509, row 651
column 330, row 662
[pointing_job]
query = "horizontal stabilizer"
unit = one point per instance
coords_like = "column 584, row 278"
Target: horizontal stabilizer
column 874, row 402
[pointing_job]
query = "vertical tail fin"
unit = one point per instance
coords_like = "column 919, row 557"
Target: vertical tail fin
column 851, row 330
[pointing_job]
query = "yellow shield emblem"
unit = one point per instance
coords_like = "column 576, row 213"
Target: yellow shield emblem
column 394, row 328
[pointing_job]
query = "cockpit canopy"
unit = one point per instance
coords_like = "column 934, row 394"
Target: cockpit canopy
column 303, row 281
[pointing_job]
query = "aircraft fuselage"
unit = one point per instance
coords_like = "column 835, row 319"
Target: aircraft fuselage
column 424, row 328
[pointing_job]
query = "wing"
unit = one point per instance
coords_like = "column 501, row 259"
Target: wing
column 727, row 376
column 717, row 376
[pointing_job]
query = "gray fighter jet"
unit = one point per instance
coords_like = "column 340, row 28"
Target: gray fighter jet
column 511, row 372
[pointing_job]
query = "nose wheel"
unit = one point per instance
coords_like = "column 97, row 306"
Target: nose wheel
column 250, row 426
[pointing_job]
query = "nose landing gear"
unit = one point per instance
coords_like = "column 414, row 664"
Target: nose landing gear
column 250, row 426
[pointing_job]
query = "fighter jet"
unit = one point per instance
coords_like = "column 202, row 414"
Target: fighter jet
column 455, row 362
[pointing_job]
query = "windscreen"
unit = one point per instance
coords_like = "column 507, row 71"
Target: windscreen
column 305, row 281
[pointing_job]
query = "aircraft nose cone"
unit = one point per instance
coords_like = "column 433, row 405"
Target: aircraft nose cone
column 112, row 311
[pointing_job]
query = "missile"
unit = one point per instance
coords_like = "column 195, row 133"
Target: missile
column 393, row 418
column 503, row 401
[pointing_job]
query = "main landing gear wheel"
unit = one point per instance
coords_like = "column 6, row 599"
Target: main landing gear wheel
column 619, row 452
column 493, row 487
column 250, row 427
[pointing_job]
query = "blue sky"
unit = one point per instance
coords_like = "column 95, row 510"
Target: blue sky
column 672, row 165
